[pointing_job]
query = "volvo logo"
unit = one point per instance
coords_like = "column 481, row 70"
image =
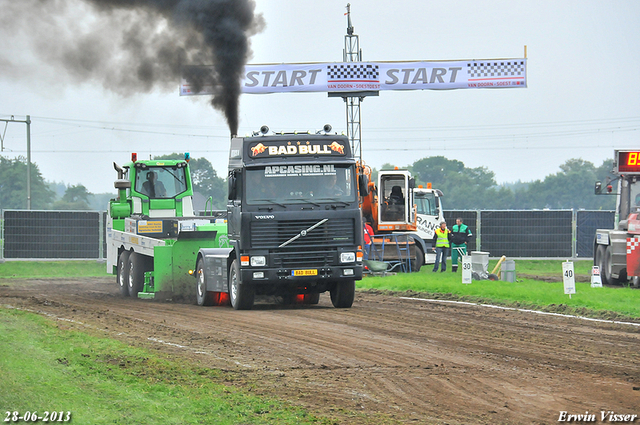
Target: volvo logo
column 304, row 232
column 265, row 217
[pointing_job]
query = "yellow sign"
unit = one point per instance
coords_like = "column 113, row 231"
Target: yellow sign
column 307, row 272
column 150, row 227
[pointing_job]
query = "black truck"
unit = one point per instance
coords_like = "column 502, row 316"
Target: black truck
column 294, row 221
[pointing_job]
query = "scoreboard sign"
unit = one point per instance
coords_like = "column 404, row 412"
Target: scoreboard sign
column 628, row 162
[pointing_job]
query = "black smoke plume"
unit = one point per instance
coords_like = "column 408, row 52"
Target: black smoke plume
column 133, row 46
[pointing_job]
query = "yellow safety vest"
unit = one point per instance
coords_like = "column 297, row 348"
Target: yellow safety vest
column 443, row 237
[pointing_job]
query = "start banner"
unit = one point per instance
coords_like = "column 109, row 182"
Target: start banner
column 369, row 76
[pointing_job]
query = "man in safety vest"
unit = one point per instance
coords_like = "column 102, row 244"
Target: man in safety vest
column 441, row 245
column 460, row 235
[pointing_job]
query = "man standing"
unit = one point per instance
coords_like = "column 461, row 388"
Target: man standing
column 460, row 236
column 368, row 236
column 441, row 246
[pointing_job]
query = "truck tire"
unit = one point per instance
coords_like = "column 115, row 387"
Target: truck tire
column 137, row 267
column 599, row 260
column 418, row 262
column 241, row 296
column 203, row 297
column 606, row 272
column 343, row 293
column 123, row 273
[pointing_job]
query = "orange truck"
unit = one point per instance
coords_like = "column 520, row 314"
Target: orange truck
column 403, row 218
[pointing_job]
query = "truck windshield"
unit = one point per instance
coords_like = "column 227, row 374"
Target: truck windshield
column 305, row 183
column 161, row 182
column 425, row 203
column 634, row 193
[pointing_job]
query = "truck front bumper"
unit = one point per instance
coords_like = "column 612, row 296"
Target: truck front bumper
column 300, row 276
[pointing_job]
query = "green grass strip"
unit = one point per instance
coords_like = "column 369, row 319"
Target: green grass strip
column 44, row 269
column 547, row 267
column 607, row 302
column 103, row 381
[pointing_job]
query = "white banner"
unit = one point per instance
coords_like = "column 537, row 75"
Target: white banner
column 374, row 76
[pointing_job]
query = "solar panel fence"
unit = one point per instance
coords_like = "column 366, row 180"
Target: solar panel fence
column 533, row 233
column 514, row 233
column 52, row 234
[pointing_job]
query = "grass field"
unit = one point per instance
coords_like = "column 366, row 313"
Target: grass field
column 44, row 269
column 596, row 302
column 102, row 381
column 44, row 367
column 548, row 295
column 548, row 267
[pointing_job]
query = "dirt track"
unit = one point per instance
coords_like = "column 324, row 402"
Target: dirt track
column 385, row 360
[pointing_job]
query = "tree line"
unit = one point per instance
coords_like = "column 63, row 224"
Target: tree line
column 463, row 187
column 572, row 187
column 47, row 195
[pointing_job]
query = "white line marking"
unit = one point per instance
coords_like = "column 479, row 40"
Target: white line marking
column 522, row 310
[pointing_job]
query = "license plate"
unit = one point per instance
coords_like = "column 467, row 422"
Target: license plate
column 307, row 272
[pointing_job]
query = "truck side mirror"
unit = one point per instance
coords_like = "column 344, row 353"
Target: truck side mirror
column 412, row 183
column 598, row 188
column 363, row 184
column 232, row 185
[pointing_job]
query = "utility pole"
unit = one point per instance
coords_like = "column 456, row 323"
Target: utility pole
column 28, row 122
column 353, row 53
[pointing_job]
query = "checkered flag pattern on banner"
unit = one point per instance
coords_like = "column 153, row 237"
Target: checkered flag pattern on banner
column 354, row 72
column 496, row 69
column 632, row 244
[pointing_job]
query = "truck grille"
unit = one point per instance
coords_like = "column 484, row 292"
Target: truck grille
column 332, row 233
column 297, row 259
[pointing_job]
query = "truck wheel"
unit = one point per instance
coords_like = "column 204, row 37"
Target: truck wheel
column 343, row 293
column 606, row 273
column 418, row 262
column 136, row 267
column 599, row 260
column 123, row 273
column 241, row 296
column 203, row 297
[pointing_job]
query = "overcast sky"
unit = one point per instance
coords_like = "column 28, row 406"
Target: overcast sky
column 582, row 99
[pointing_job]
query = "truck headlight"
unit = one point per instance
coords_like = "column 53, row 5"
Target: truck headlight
column 258, row 261
column 347, row 257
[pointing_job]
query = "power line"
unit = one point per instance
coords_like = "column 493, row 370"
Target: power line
column 608, row 126
column 110, row 124
column 389, row 149
column 511, row 126
column 121, row 127
column 71, row 121
column 508, row 137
